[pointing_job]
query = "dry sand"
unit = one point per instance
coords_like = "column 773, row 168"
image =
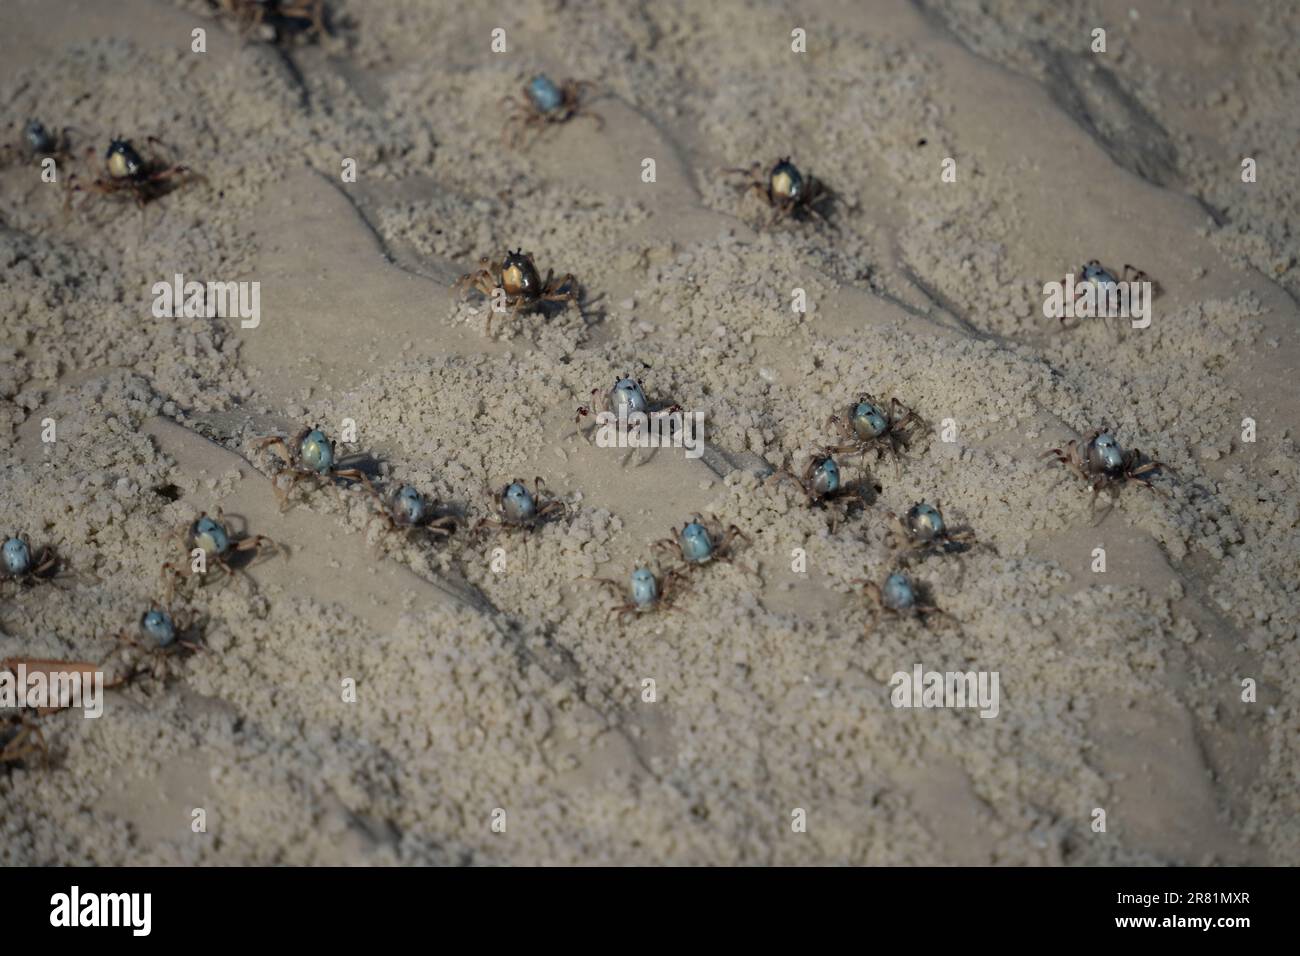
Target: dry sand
column 481, row 690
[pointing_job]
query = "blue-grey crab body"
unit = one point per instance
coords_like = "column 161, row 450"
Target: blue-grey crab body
column 521, row 509
column 1106, row 455
column 625, row 405
column 545, row 95
column 409, row 506
column 897, row 593
column 39, row 140
column 649, row 593
column 925, row 522
column 1094, row 271
column 899, row 596
column 17, row 557
column 869, row 420
column 701, row 541
column 517, row 504
column 823, row 484
column 1095, row 281
column 19, row 563
column 1101, row 461
column 211, row 536
column 408, row 510
column 161, row 637
column 924, row 531
column 157, row 625
column 544, row 103
column 627, row 397
column 310, row 455
column 317, row 451
column 825, row 477
column 645, row 588
column 695, row 543
column 869, row 425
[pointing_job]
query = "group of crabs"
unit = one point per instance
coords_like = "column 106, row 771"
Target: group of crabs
column 791, row 195
column 128, row 171
column 867, row 426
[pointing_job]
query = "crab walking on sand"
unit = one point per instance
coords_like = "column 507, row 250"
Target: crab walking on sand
column 542, row 103
column 309, row 456
column 209, row 541
column 702, row 541
column 518, row 509
column 129, row 173
column 516, row 286
column 1101, row 462
column 825, row 488
column 898, row 596
column 161, row 636
column 646, row 592
column 407, row 511
column 23, row 567
column 872, row 427
column 923, row 531
column 788, row 193
column 38, row 143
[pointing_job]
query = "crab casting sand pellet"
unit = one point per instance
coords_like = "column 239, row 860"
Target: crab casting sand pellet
column 402, row 669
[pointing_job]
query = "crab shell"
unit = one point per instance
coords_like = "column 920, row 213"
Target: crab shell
column 1105, row 454
column 517, row 504
column 645, row 589
column 786, row 181
column 695, row 543
column 211, row 536
column 409, row 506
column 869, row 420
column 898, row 593
column 17, row 556
column 122, row 160
column 627, row 394
column 825, row 476
column 546, row 96
column 38, row 137
column 317, row 452
column 158, row 627
column 925, row 521
column 519, row 275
